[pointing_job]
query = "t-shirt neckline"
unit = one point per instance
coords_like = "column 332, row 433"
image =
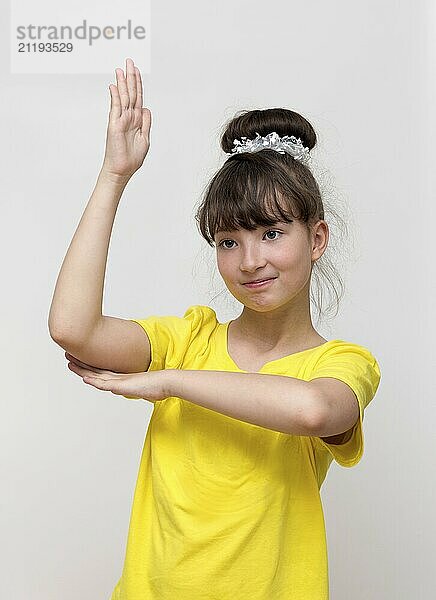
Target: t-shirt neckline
column 224, row 327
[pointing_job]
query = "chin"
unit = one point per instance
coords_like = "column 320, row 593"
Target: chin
column 260, row 304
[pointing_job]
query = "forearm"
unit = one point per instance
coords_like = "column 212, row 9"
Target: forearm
column 276, row 402
column 77, row 301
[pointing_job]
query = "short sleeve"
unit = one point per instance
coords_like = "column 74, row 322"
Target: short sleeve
column 357, row 367
column 170, row 337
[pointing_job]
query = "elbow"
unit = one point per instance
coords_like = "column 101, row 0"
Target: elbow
column 65, row 340
column 57, row 337
column 314, row 417
column 55, row 327
column 54, row 332
column 57, row 333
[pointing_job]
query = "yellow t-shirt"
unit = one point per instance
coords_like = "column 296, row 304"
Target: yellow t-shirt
column 225, row 509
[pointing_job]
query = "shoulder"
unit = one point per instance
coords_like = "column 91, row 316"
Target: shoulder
column 342, row 362
column 180, row 328
column 198, row 323
column 351, row 363
column 345, row 353
column 200, row 310
column 199, row 315
column 172, row 337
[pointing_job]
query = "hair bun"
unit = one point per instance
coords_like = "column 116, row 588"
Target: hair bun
column 281, row 120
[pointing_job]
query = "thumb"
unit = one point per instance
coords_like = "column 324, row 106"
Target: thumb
column 146, row 121
column 115, row 107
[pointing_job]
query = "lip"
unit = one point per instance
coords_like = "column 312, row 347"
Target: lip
column 260, row 284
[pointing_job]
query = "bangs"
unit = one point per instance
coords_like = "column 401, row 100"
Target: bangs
column 240, row 197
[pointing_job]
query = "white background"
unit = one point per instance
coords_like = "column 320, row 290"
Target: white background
column 363, row 74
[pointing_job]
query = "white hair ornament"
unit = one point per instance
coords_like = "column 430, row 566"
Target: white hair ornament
column 286, row 144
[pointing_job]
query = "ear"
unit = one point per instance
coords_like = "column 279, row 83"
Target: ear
column 319, row 239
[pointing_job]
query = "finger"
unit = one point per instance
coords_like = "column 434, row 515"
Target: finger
column 122, row 89
column 131, row 82
column 81, row 370
column 104, row 385
column 115, row 110
column 146, row 121
column 101, row 384
column 139, row 89
column 74, row 359
column 78, row 362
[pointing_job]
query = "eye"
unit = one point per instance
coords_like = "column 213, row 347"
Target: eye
column 224, row 242
column 273, row 231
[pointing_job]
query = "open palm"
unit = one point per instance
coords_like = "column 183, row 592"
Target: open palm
column 151, row 385
column 128, row 131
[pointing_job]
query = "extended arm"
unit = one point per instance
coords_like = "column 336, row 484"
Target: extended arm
column 324, row 406
column 277, row 402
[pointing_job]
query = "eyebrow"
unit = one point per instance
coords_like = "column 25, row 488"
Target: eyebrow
column 225, row 231
column 275, row 224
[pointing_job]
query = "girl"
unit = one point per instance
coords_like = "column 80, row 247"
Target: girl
column 248, row 414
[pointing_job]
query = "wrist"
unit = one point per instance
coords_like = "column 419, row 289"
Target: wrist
column 114, row 179
column 172, row 382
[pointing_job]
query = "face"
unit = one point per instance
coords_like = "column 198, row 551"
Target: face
column 283, row 253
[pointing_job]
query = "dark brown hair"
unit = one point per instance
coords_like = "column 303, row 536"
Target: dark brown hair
column 262, row 188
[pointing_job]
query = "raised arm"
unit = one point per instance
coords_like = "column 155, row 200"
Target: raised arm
column 75, row 319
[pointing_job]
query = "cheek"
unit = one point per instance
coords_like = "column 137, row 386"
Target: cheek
column 293, row 265
column 226, row 262
column 223, row 266
column 287, row 260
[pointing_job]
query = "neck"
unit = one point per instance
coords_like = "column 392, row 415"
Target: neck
column 286, row 327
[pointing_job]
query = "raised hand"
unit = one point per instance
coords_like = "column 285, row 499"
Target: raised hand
column 128, row 131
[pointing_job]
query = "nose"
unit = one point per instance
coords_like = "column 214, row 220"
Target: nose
column 252, row 258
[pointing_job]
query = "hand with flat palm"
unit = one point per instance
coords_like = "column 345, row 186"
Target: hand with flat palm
column 128, row 131
column 149, row 385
